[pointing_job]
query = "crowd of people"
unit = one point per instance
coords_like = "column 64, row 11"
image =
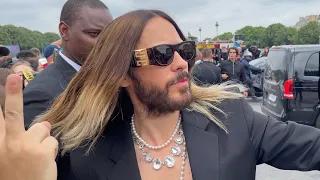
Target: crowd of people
column 228, row 65
column 26, row 63
column 118, row 102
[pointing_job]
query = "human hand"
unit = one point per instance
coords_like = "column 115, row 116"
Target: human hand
column 24, row 155
column 224, row 76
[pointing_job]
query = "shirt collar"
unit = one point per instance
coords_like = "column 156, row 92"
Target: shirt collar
column 69, row 61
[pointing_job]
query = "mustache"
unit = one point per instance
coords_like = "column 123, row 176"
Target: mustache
column 180, row 76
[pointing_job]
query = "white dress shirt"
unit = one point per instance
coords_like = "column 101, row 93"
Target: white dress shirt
column 69, row 61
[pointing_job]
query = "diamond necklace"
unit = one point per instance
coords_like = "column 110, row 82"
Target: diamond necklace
column 169, row 160
column 148, row 145
column 176, row 150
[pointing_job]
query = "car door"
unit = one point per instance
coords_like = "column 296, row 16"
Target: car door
column 275, row 75
column 305, row 104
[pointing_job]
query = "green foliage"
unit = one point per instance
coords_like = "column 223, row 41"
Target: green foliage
column 253, row 35
column 27, row 39
column 309, row 34
column 277, row 34
column 273, row 35
column 224, row 36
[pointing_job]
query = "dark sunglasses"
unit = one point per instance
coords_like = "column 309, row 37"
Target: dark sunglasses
column 162, row 55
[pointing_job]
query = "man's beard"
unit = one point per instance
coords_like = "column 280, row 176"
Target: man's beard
column 157, row 101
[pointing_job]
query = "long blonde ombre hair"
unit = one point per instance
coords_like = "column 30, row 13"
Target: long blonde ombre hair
column 80, row 114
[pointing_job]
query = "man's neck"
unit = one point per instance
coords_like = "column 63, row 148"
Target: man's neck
column 232, row 60
column 66, row 52
column 207, row 59
column 155, row 130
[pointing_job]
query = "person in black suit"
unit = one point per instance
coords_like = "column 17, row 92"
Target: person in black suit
column 80, row 24
column 132, row 113
column 205, row 72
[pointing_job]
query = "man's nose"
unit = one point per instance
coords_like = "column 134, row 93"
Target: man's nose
column 178, row 62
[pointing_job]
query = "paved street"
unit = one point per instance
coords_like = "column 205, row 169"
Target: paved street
column 265, row 172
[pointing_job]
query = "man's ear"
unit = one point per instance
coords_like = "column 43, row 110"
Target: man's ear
column 125, row 82
column 64, row 30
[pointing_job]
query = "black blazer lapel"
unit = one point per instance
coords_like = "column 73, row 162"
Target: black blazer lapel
column 202, row 146
column 66, row 70
column 123, row 155
column 113, row 157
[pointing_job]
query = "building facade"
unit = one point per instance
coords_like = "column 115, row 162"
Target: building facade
column 305, row 20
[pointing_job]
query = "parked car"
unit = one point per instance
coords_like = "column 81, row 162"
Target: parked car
column 291, row 84
column 257, row 78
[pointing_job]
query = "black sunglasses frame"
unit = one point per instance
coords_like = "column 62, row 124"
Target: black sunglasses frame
column 145, row 57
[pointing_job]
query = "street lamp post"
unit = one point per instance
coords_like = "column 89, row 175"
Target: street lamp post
column 200, row 33
column 217, row 28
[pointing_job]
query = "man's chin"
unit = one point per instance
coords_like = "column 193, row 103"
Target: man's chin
column 185, row 98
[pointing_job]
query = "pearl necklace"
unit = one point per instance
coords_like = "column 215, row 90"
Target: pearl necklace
column 176, row 151
column 148, row 145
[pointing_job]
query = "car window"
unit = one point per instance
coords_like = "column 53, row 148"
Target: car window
column 276, row 66
column 312, row 66
column 277, row 60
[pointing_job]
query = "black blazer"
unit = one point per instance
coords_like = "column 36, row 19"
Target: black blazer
column 206, row 73
column 253, row 139
column 40, row 92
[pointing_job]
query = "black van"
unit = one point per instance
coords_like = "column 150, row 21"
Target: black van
column 291, row 83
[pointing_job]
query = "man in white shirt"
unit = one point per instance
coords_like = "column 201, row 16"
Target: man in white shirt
column 80, row 24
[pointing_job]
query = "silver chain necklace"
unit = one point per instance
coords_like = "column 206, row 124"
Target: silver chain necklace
column 176, row 150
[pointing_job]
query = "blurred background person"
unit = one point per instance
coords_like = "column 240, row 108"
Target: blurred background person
column 4, row 51
column 215, row 56
column 255, row 52
column 30, row 57
column 37, row 52
column 224, row 53
column 6, row 62
column 265, row 52
column 49, row 53
column 205, row 72
column 24, row 69
column 248, row 68
column 21, row 66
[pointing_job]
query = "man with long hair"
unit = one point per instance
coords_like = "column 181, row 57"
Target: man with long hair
column 132, row 113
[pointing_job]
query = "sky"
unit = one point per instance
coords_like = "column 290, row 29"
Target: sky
column 43, row 15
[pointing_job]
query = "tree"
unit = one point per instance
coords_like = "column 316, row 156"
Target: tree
column 4, row 36
column 25, row 38
column 275, row 35
column 309, row 34
column 253, row 35
column 50, row 37
column 224, row 36
column 292, row 35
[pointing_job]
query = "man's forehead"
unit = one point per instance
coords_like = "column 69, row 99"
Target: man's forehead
column 93, row 18
column 158, row 31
